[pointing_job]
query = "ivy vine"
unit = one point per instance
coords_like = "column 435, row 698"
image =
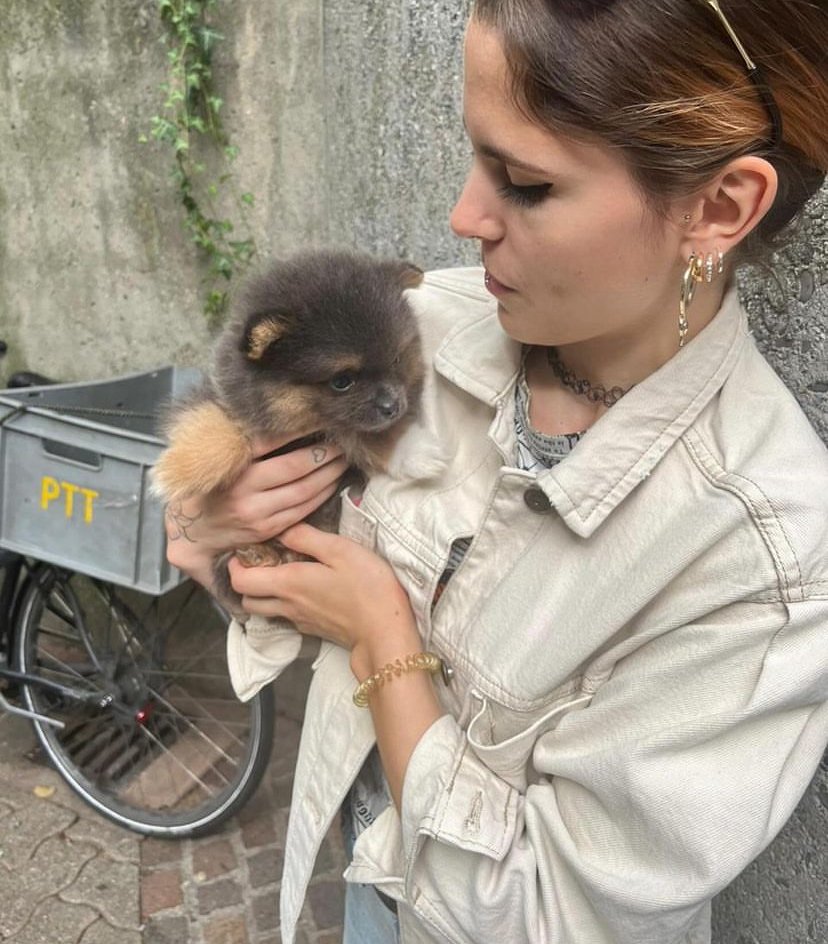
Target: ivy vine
column 191, row 119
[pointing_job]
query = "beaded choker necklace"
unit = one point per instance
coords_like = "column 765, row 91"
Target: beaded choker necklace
column 596, row 393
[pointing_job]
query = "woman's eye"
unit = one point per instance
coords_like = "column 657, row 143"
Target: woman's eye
column 342, row 382
column 525, row 195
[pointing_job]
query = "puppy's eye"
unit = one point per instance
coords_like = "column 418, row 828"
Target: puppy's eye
column 342, row 382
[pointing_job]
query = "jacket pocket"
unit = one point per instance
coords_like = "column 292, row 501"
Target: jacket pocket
column 504, row 738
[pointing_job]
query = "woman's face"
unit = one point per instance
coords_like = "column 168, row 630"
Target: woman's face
column 571, row 251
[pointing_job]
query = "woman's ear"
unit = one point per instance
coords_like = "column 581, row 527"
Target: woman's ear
column 723, row 213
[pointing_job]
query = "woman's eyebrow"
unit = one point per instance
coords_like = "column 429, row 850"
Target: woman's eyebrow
column 504, row 156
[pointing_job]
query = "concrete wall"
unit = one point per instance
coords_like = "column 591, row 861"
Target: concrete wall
column 97, row 276
column 347, row 116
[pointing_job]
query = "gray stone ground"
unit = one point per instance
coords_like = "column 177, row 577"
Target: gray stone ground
column 69, row 877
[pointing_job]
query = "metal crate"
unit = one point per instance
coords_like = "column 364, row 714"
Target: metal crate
column 74, row 464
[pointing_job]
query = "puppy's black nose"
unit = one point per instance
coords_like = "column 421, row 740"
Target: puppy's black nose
column 388, row 403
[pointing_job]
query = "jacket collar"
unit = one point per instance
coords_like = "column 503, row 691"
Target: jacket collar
column 627, row 442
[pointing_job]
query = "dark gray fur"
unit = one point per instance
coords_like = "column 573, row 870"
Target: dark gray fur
column 332, row 305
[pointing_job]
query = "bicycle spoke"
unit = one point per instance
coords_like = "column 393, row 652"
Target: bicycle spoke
column 180, row 765
column 196, row 730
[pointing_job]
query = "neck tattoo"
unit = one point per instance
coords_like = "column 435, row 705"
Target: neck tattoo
column 595, row 393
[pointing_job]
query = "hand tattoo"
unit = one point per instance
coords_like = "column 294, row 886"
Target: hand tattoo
column 319, row 453
column 179, row 523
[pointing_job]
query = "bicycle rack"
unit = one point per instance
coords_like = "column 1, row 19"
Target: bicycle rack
column 25, row 713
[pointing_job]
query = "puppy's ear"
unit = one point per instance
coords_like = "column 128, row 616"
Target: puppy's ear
column 262, row 332
column 408, row 274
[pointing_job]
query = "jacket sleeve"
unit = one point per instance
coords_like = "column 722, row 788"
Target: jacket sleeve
column 648, row 801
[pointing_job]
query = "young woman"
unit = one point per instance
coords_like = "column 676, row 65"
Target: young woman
column 602, row 574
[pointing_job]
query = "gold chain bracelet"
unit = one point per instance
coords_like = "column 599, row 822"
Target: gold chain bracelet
column 420, row 660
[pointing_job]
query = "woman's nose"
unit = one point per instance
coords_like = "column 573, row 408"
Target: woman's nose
column 476, row 214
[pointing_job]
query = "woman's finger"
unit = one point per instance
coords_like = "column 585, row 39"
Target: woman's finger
column 275, row 522
column 320, row 545
column 282, row 506
column 263, row 606
column 251, row 581
column 266, row 581
column 290, row 467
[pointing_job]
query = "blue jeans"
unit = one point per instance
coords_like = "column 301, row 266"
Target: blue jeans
column 368, row 919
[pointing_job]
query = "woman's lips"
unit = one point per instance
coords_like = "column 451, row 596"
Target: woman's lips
column 494, row 286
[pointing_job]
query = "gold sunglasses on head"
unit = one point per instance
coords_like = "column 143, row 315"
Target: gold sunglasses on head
column 755, row 76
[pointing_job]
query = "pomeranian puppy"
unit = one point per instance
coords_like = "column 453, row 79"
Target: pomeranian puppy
column 324, row 342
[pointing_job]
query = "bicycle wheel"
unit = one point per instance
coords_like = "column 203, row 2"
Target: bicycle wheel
column 154, row 738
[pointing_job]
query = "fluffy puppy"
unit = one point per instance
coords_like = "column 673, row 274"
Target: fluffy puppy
column 324, row 342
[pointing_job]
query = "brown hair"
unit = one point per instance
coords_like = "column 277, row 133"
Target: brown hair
column 662, row 81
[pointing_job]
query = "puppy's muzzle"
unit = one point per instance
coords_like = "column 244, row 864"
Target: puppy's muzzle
column 389, row 405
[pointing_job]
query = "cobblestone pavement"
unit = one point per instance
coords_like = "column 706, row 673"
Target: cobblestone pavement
column 69, row 877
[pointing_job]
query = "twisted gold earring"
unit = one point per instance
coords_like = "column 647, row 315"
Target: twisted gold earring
column 693, row 274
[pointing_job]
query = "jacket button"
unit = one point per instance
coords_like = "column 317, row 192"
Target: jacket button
column 537, row 501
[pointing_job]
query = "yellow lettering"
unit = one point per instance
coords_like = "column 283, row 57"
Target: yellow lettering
column 89, row 496
column 49, row 490
column 70, row 490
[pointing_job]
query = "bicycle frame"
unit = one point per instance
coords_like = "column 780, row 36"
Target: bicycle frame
column 16, row 576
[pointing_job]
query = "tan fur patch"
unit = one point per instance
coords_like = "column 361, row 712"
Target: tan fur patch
column 411, row 276
column 207, row 451
column 262, row 336
column 346, row 365
column 292, row 409
column 258, row 555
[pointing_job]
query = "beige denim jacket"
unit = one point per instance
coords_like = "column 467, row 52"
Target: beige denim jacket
column 637, row 643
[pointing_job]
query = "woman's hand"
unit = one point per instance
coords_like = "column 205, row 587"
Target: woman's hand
column 268, row 497
column 347, row 594
column 352, row 597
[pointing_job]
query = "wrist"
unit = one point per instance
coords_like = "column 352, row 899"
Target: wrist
column 371, row 654
column 415, row 662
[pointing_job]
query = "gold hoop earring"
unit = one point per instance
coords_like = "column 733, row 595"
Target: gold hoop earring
column 693, row 274
column 708, row 268
column 713, row 265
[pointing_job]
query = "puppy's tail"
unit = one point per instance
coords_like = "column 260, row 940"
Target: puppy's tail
column 207, row 451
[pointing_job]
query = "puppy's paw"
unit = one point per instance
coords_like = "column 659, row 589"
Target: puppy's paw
column 270, row 554
column 260, row 555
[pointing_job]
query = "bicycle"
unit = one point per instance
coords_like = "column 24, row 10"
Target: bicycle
column 126, row 687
